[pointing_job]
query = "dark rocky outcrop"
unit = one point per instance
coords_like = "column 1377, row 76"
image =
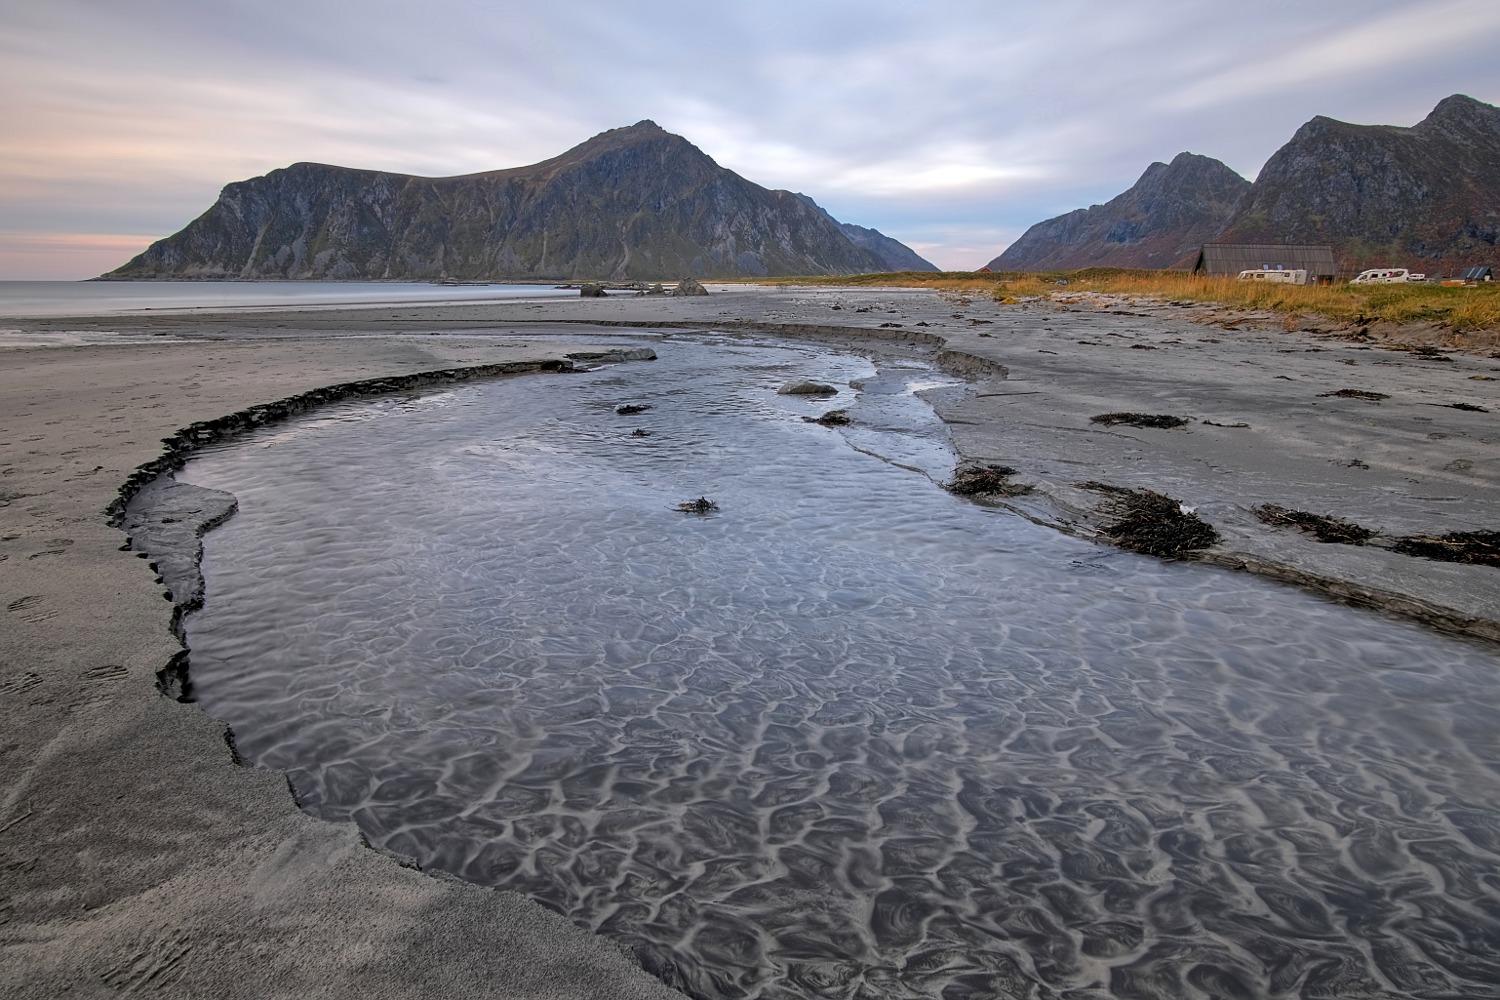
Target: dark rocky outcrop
column 1172, row 210
column 635, row 202
column 687, row 287
column 1426, row 196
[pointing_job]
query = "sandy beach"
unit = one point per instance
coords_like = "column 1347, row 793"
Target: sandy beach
column 136, row 855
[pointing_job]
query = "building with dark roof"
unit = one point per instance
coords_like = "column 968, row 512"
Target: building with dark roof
column 1229, row 259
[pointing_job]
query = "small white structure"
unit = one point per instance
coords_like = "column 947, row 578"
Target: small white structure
column 1289, row 276
column 1385, row 276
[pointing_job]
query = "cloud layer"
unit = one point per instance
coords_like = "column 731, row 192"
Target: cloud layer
column 951, row 126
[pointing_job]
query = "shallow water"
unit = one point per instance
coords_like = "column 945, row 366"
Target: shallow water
column 847, row 736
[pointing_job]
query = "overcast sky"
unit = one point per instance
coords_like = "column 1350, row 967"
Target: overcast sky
column 950, row 125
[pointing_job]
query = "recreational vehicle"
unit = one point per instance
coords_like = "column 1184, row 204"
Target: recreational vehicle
column 1386, row 276
column 1289, row 276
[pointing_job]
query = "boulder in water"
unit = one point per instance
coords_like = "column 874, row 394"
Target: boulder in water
column 805, row 387
column 689, row 286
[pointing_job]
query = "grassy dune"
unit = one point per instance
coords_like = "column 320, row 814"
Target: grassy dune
column 1460, row 310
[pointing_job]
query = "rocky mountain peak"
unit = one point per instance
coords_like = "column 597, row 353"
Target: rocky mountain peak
column 1427, row 196
column 632, row 202
column 1171, row 210
column 1424, row 197
column 1463, row 119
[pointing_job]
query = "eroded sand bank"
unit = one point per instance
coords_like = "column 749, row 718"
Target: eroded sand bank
column 135, row 853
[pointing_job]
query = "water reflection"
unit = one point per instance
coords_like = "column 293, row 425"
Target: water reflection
column 848, row 736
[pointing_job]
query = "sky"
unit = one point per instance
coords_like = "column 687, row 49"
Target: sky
column 950, row 125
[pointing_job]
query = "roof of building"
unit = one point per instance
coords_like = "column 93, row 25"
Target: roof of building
column 1232, row 258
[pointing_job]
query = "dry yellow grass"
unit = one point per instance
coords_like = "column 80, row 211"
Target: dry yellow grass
column 1458, row 309
column 1461, row 310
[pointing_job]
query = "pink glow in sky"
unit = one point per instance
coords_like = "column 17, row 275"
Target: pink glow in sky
column 952, row 126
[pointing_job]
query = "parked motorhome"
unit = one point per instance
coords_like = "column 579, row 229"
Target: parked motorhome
column 1289, row 276
column 1385, row 276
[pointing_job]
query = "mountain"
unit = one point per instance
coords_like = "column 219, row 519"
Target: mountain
column 1173, row 209
column 896, row 255
column 634, row 202
column 1426, row 196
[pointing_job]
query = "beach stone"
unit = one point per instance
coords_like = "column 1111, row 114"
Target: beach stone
column 805, row 387
column 591, row 290
column 689, row 286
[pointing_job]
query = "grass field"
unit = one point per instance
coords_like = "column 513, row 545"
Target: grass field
column 1460, row 310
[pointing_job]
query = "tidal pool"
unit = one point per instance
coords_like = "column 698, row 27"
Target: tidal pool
column 847, row 736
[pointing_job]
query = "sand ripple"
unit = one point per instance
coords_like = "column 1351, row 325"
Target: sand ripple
column 849, row 737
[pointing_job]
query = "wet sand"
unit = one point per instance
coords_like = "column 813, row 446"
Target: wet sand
column 136, row 854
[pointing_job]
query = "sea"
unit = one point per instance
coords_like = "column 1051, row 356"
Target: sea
column 35, row 299
column 836, row 732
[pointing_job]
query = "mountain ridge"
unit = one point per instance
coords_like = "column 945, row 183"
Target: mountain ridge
column 897, row 256
column 636, row 202
column 1427, row 195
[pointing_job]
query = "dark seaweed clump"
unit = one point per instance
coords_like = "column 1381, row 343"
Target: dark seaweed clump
column 1373, row 397
column 1479, row 548
column 992, row 480
column 1320, row 526
column 1163, row 420
column 1153, row 523
column 833, row 418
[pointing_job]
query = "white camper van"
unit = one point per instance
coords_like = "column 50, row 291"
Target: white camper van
column 1290, row 276
column 1385, row 276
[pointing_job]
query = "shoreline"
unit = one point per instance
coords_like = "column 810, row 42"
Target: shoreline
column 137, row 850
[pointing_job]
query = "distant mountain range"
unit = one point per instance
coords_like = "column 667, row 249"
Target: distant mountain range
column 631, row 203
column 895, row 255
column 1426, row 197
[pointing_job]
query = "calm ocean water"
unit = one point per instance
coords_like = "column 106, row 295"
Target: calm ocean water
column 848, row 736
column 111, row 298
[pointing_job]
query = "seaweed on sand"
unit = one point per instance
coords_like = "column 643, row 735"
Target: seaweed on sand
column 1163, row 420
column 1373, row 397
column 1153, row 523
column 986, row 480
column 1479, row 548
column 1320, row 526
